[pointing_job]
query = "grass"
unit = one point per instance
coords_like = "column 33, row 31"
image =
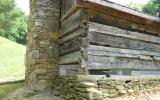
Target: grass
column 9, row 88
column 11, row 60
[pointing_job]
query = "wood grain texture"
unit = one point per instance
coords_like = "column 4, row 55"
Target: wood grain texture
column 71, row 24
column 71, row 46
column 119, row 52
column 115, row 31
column 120, row 42
column 70, row 58
column 98, row 62
column 149, row 23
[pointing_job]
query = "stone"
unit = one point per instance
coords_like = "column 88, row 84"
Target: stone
column 130, row 90
column 121, row 92
column 119, row 87
column 90, row 84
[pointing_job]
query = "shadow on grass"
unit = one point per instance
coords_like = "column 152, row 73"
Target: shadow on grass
column 9, row 88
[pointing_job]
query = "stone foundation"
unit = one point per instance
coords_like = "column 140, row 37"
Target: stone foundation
column 86, row 88
column 83, row 88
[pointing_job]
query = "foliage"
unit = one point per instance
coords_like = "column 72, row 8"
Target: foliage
column 152, row 7
column 13, row 22
column 134, row 6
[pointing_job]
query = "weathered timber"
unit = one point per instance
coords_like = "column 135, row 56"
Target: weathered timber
column 71, row 46
column 67, row 70
column 71, row 24
column 120, row 42
column 98, row 62
column 71, row 11
column 119, row 52
column 119, row 12
column 70, row 36
column 70, row 58
column 97, row 36
column 115, row 31
column 66, row 6
column 107, row 19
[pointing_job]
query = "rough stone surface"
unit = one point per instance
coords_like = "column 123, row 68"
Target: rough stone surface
column 42, row 46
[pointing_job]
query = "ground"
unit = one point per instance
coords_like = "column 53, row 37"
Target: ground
column 11, row 60
column 9, row 88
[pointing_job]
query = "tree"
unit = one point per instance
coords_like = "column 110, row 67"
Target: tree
column 152, row 7
column 134, row 6
column 13, row 22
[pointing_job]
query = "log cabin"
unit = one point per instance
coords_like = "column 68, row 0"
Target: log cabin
column 99, row 36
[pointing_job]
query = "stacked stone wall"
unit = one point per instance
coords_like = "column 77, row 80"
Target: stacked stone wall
column 42, row 47
column 83, row 88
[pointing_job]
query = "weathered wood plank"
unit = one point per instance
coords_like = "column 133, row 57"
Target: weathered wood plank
column 120, row 42
column 66, row 6
column 115, row 31
column 122, row 23
column 70, row 36
column 71, row 24
column 148, row 24
column 70, row 58
column 119, row 52
column 97, row 62
column 68, row 70
column 71, row 46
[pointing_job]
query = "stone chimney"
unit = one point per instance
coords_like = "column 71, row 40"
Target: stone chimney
column 42, row 47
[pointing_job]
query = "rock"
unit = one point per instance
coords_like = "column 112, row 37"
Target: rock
column 130, row 90
column 119, row 87
column 90, row 84
column 121, row 92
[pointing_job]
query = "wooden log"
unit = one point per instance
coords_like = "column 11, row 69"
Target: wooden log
column 97, row 62
column 70, row 37
column 68, row 70
column 71, row 24
column 120, row 42
column 150, row 24
column 122, row 23
column 124, row 53
column 115, row 31
column 70, row 58
column 71, row 46
column 67, row 13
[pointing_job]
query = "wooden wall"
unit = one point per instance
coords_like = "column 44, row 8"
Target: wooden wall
column 115, row 48
column 71, row 42
column 66, row 5
column 92, row 40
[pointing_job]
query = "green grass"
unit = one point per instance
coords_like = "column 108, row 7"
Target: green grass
column 11, row 60
column 9, row 88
